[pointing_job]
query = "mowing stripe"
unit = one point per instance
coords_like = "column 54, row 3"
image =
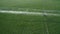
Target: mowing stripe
column 29, row 13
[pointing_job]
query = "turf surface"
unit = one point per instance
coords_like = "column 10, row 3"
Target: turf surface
column 28, row 24
column 39, row 4
column 20, row 24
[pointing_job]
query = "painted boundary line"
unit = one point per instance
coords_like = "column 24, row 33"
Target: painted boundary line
column 30, row 13
column 47, row 29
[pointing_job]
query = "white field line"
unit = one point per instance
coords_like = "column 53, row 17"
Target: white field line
column 31, row 13
column 47, row 30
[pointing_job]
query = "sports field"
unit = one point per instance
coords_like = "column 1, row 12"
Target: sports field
column 12, row 23
column 39, row 4
column 29, row 16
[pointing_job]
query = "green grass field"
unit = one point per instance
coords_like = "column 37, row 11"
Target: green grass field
column 28, row 24
column 39, row 4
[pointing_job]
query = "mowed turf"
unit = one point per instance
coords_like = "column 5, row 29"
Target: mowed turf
column 28, row 24
column 39, row 4
column 21, row 24
column 54, row 24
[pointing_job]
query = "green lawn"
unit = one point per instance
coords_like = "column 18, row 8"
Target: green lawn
column 20, row 24
column 39, row 4
column 54, row 25
column 28, row 24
